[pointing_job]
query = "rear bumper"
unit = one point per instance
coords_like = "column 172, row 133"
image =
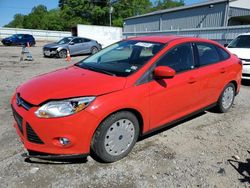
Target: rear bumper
column 42, row 135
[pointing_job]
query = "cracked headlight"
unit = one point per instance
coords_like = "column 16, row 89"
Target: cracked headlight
column 63, row 108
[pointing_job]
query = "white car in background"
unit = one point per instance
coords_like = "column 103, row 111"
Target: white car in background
column 240, row 46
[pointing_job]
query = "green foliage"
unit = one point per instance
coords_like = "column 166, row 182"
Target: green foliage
column 94, row 12
column 127, row 8
column 164, row 4
column 16, row 22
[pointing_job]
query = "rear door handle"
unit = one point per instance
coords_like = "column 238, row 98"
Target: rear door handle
column 222, row 70
column 192, row 80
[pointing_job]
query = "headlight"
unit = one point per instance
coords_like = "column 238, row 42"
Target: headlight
column 63, row 107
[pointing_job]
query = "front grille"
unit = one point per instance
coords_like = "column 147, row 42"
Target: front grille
column 246, row 75
column 32, row 136
column 21, row 102
column 19, row 119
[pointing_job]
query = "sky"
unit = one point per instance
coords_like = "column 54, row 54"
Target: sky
column 8, row 8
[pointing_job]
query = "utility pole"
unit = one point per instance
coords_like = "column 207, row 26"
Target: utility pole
column 111, row 9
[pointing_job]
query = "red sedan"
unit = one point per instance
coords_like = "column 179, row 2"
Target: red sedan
column 102, row 104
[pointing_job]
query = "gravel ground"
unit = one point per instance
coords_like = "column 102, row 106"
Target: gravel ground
column 208, row 150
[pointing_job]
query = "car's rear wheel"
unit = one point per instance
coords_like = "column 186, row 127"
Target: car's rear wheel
column 94, row 50
column 226, row 99
column 62, row 54
column 115, row 137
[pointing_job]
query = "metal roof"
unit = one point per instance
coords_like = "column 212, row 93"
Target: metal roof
column 181, row 8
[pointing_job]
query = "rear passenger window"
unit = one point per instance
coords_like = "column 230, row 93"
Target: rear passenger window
column 207, row 54
column 223, row 54
column 179, row 58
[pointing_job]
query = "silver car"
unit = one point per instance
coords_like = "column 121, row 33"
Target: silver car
column 75, row 45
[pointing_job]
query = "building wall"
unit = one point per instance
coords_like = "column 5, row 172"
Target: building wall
column 235, row 12
column 44, row 35
column 197, row 17
column 103, row 34
column 148, row 23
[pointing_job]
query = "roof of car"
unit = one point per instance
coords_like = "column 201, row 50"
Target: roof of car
column 166, row 39
column 160, row 39
column 244, row 34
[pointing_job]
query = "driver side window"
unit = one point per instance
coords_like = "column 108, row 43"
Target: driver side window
column 179, row 58
column 77, row 40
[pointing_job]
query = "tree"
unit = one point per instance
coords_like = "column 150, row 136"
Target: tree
column 36, row 19
column 94, row 12
column 127, row 8
column 16, row 22
column 165, row 4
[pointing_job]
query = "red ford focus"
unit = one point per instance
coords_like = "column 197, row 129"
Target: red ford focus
column 101, row 105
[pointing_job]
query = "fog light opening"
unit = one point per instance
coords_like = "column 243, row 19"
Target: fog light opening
column 64, row 141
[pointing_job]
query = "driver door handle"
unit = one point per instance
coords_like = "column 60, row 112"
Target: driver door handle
column 192, row 80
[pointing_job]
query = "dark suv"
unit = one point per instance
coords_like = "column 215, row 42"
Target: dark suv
column 19, row 39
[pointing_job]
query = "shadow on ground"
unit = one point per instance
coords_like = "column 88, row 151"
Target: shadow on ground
column 56, row 161
column 245, row 82
column 243, row 168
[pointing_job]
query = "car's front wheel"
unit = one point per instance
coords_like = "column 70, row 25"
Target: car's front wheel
column 62, row 54
column 115, row 137
column 226, row 99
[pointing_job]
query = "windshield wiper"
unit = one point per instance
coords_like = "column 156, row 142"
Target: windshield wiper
column 88, row 67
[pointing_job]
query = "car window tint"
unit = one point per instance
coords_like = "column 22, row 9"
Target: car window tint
column 86, row 40
column 207, row 54
column 223, row 54
column 77, row 40
column 120, row 53
column 179, row 58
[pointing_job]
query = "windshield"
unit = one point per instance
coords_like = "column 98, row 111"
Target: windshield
column 242, row 41
column 65, row 40
column 122, row 58
column 16, row 36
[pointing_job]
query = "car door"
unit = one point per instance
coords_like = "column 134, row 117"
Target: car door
column 175, row 97
column 86, row 45
column 213, row 67
column 75, row 46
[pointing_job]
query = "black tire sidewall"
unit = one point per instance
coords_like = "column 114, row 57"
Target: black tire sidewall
column 92, row 50
column 99, row 152
column 62, row 51
column 220, row 106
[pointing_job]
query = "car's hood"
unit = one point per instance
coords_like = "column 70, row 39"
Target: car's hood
column 8, row 38
column 69, row 82
column 52, row 45
column 242, row 53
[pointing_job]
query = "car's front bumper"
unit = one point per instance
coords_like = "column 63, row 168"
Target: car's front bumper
column 42, row 135
column 246, row 71
column 49, row 52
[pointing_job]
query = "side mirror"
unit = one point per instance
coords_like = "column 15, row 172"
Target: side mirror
column 163, row 72
column 225, row 45
column 71, row 43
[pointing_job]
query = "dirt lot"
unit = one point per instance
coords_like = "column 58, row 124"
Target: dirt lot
column 196, row 153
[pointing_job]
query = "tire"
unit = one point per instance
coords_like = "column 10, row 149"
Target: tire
column 115, row 137
column 62, row 54
column 226, row 99
column 94, row 50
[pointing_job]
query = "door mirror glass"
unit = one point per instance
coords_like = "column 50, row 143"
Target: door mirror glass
column 71, row 43
column 161, row 72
